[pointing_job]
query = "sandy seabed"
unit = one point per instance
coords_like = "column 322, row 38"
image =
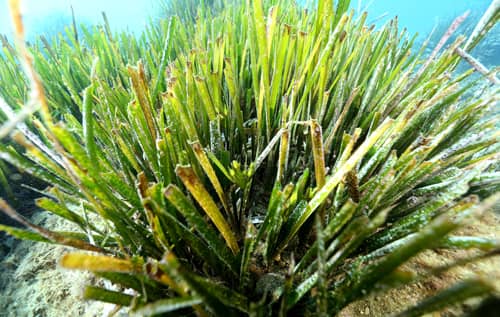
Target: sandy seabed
column 32, row 283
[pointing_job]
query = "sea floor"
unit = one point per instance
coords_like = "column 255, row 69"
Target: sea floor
column 397, row 300
column 32, row 283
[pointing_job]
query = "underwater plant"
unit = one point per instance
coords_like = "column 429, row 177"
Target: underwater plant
column 261, row 160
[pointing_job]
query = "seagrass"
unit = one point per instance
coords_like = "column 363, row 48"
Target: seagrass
column 253, row 157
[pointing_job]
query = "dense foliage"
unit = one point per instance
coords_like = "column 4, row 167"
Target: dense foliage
column 256, row 159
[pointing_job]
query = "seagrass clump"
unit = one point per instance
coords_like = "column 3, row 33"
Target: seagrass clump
column 256, row 158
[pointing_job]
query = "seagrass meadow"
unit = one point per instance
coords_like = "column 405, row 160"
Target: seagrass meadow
column 255, row 158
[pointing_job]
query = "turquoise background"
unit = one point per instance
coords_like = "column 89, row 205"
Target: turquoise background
column 47, row 16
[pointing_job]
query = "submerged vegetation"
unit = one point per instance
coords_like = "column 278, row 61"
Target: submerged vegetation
column 253, row 158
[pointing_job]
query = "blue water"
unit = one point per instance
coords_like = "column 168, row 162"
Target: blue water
column 49, row 16
column 421, row 15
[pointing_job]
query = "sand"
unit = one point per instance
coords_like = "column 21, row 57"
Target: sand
column 396, row 300
column 32, row 283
